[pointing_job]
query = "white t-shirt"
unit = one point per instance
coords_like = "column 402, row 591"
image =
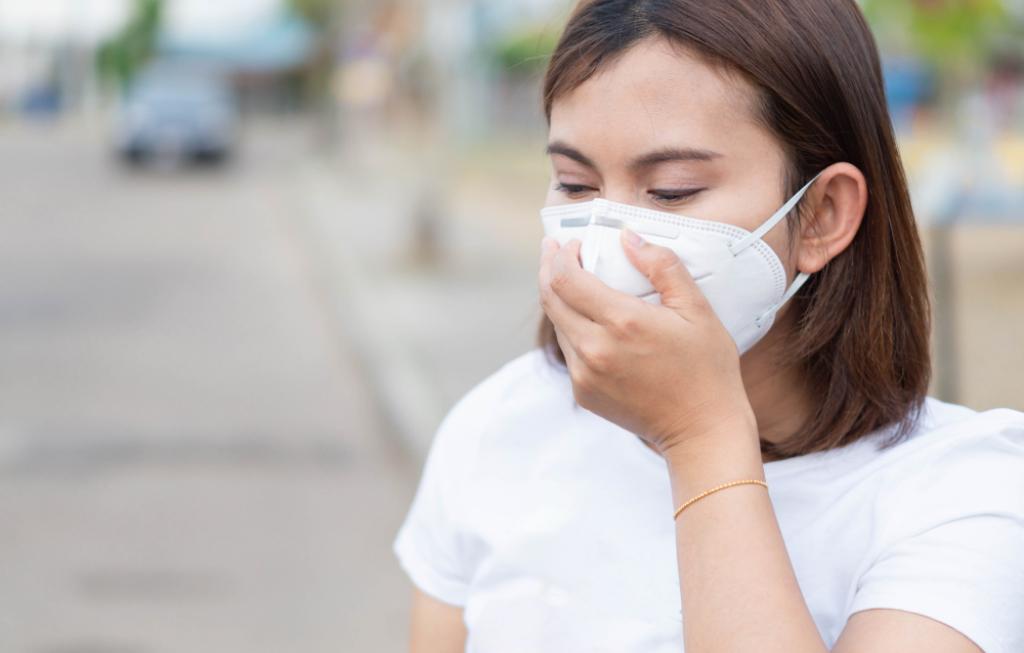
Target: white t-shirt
column 553, row 527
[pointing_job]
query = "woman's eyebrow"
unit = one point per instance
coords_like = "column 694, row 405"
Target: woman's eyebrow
column 672, row 154
column 643, row 161
column 560, row 147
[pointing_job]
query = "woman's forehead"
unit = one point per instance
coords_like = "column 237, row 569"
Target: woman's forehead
column 654, row 92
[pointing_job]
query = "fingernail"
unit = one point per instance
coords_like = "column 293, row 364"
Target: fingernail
column 546, row 243
column 633, row 238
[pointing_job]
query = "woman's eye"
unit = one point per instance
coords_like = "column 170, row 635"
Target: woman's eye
column 571, row 189
column 674, row 195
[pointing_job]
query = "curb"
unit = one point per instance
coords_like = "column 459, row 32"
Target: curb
column 408, row 400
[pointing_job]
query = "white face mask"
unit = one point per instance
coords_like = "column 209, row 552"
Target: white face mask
column 739, row 274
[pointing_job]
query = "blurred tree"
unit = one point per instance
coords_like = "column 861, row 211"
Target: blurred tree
column 325, row 17
column 525, row 52
column 319, row 13
column 947, row 33
column 120, row 57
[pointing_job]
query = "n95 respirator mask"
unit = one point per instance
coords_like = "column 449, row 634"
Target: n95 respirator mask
column 740, row 275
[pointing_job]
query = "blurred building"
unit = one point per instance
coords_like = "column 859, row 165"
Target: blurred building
column 48, row 53
column 267, row 59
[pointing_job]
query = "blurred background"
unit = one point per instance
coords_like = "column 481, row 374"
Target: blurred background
column 253, row 250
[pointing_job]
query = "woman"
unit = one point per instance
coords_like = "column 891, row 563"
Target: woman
column 723, row 442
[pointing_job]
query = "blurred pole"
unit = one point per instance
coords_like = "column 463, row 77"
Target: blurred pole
column 945, row 330
column 445, row 37
column 981, row 193
column 327, row 115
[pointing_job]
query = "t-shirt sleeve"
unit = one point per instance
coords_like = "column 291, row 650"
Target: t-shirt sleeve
column 433, row 543
column 959, row 554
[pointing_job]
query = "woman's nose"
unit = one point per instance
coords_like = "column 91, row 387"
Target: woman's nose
column 620, row 193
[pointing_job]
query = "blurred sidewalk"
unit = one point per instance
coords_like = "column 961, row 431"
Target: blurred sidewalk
column 427, row 331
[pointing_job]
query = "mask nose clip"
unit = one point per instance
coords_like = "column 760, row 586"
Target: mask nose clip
column 574, row 222
column 591, row 249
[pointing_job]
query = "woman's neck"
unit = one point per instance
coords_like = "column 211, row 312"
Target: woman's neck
column 778, row 393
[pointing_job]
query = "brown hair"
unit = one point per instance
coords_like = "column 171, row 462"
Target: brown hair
column 862, row 321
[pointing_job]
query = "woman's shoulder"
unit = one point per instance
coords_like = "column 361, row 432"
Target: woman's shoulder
column 953, row 463
column 937, row 414
column 949, row 525
column 942, row 435
column 944, row 427
column 519, row 382
column 960, row 461
column 523, row 372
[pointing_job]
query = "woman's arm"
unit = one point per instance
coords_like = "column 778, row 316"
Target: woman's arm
column 738, row 587
column 436, row 626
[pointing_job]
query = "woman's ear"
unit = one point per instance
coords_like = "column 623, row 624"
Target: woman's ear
column 839, row 199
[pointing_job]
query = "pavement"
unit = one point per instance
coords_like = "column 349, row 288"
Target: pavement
column 190, row 457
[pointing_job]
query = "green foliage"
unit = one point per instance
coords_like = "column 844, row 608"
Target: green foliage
column 318, row 12
column 525, row 52
column 120, row 57
column 946, row 32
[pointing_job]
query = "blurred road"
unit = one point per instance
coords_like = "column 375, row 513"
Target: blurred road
column 188, row 458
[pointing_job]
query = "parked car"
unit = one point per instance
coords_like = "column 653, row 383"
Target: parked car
column 40, row 101
column 182, row 114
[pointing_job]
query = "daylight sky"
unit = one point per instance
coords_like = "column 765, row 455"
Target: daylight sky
column 90, row 20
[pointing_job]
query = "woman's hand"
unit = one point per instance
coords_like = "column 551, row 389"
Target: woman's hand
column 669, row 373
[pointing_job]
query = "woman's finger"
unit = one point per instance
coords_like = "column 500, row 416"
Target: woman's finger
column 572, row 359
column 666, row 272
column 574, row 325
column 584, row 292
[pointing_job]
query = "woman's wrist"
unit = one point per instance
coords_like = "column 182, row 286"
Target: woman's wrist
column 709, row 435
column 730, row 452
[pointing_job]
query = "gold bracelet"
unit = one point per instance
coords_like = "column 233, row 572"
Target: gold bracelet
column 715, row 489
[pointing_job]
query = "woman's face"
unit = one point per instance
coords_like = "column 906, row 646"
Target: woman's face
column 661, row 129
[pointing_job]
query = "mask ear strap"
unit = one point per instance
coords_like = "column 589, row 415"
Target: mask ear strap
column 798, row 281
column 748, row 240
